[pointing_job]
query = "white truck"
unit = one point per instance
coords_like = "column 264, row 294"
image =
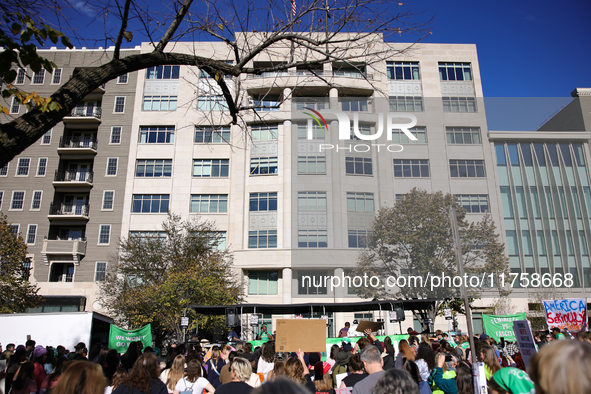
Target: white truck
column 55, row 328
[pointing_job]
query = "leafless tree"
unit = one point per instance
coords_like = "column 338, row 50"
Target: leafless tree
column 320, row 32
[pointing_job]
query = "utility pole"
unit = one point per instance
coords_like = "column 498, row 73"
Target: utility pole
column 458, row 247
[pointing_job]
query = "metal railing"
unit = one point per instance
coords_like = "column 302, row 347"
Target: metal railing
column 73, row 176
column 95, row 112
column 78, row 142
column 306, row 73
column 69, row 209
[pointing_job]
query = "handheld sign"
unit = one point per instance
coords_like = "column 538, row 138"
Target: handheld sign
column 570, row 313
column 307, row 335
column 374, row 326
column 525, row 340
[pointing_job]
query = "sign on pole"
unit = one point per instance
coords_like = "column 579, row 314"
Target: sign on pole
column 570, row 313
column 497, row 326
column 447, row 313
column 119, row 339
column 184, row 322
column 525, row 340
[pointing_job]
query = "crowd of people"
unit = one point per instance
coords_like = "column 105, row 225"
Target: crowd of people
column 421, row 364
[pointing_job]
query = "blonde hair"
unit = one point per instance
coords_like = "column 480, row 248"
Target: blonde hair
column 437, row 357
column 82, row 377
column 562, row 367
column 325, row 384
column 176, row 372
column 215, row 354
column 404, row 348
column 241, row 368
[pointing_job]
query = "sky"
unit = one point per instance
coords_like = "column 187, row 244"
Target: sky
column 525, row 48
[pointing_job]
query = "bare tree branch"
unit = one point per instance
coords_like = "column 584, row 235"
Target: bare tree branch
column 173, row 26
column 122, row 29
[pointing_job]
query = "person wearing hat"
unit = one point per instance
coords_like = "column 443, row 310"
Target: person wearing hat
column 557, row 334
column 81, row 351
column 39, row 355
column 342, row 360
column 322, row 379
column 512, row 381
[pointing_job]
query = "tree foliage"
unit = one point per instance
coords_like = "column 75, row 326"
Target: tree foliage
column 16, row 292
column 154, row 278
column 319, row 33
column 414, row 238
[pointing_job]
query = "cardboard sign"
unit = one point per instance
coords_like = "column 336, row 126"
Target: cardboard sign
column 308, row 335
column 479, row 378
column 525, row 340
column 372, row 325
column 570, row 314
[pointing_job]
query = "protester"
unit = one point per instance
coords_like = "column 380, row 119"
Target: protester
column 80, row 354
column 332, row 357
column 557, row 334
column 281, row 386
column 322, row 379
column 49, row 363
column 19, row 357
column 265, row 335
column 8, row 352
column 143, row 377
column 413, row 370
column 94, row 352
column 395, row 381
column 214, row 367
column 53, row 378
column 131, row 355
column 225, row 374
column 490, row 360
column 563, row 367
column 341, row 364
column 39, row 355
column 510, row 381
column 241, row 371
column 464, row 378
column 81, row 377
column 297, row 371
column 356, row 373
column 278, row 367
column 344, row 332
column 390, row 354
column 24, row 381
column 193, row 382
column 442, row 380
column 29, row 348
column 267, row 359
column 118, row 377
column 404, row 353
column 425, row 360
column 373, row 365
column 172, row 375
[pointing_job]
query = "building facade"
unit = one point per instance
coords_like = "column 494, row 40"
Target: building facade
column 294, row 199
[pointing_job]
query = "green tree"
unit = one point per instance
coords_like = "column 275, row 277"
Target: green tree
column 414, row 238
column 341, row 31
column 16, row 292
column 155, row 277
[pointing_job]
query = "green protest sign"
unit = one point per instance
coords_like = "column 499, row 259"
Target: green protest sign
column 119, row 339
column 497, row 326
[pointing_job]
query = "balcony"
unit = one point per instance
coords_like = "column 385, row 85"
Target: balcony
column 300, row 104
column 84, row 115
column 75, row 249
column 69, row 211
column 77, row 147
column 73, row 180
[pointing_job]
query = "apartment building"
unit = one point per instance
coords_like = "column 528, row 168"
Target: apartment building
column 296, row 199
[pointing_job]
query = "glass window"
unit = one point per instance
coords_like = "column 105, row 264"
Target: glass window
column 358, row 165
column 553, row 153
column 541, row 243
column 459, row 104
column 549, row 202
column 122, row 78
column 100, row 271
column 406, row 104
column 150, row 203
column 357, row 238
column 263, row 165
column 316, row 129
column 39, row 77
column 312, row 201
column 31, row 234
column 119, row 105
column 211, row 103
column 36, row 202
column 513, row 154
column 520, row 197
column 566, row 157
column 579, row 154
column 264, row 133
column 262, row 282
column 500, row 149
column 163, row 72
column 157, row 135
column 42, row 166
column 400, row 137
column 23, row 167
column 526, row 240
column 455, row 72
column 563, row 202
column 20, row 76
column 584, row 247
column 209, row 203
column 104, row 234
column 512, row 247
column 311, row 165
column 539, row 150
column 577, row 204
column 262, row 239
column 108, row 199
column 160, row 103
column 354, row 105
column 467, row 168
column 312, row 239
column 535, row 202
column 311, row 282
column 1, row 198
column 18, row 200
column 526, row 152
column 507, row 203
column 473, row 203
column 213, row 168
column 360, row 202
column 555, row 243
column 46, row 139
column 112, row 166
column 212, row 134
column 463, row 135
column 57, row 76
column 411, row 168
column 261, row 202
column 156, row 168
column 405, row 71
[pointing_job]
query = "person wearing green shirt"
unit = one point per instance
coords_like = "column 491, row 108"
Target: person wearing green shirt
column 265, row 335
column 557, row 333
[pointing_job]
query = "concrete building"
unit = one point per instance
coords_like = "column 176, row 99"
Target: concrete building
column 288, row 204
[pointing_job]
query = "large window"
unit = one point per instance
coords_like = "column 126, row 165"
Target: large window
column 123, row 78
column 100, row 271
column 36, row 202
column 261, row 202
column 358, row 166
column 357, row 238
column 264, row 133
column 411, row 168
column 466, row 168
column 262, row 282
column 360, row 202
column 406, row 103
column 150, row 203
column 108, row 200
column 20, row 76
column 160, row 103
column 400, row 137
column 23, row 167
column 263, row 165
column 312, row 201
column 18, row 200
column 115, row 135
column 211, row 103
column 262, row 239
column 455, row 72
column 209, row 203
column 473, row 203
column 57, row 76
column 312, row 238
column 403, row 71
column 38, row 77
column 317, row 131
column 212, row 134
column 112, row 166
column 311, row 165
column 463, row 135
column 211, row 168
column 459, row 104
column 119, row 105
column 311, row 283
column 31, row 234
column 157, row 135
column 354, row 105
column 104, row 234
column 163, row 72
column 42, row 166
column 156, row 168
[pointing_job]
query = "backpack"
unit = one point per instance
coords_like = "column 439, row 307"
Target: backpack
column 338, row 369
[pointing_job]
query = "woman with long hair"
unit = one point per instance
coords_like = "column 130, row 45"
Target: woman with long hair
column 442, row 379
column 51, row 380
column 214, row 367
column 81, row 377
column 404, row 353
column 332, row 358
column 143, row 377
column 425, row 360
column 193, row 381
column 322, row 379
column 24, row 380
column 390, row 354
column 94, row 352
column 491, row 363
column 118, row 377
column 267, row 359
column 50, row 361
column 39, row 355
column 412, row 368
column 356, row 372
column 297, row 371
column 131, row 355
column 464, row 378
column 172, row 375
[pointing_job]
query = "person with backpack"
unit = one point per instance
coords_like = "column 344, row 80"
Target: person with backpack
column 356, row 372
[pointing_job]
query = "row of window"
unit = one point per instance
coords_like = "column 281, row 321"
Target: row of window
column 30, row 237
column 114, row 139
column 82, row 109
column 17, row 201
column 540, row 238
column 526, row 153
column 56, row 77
